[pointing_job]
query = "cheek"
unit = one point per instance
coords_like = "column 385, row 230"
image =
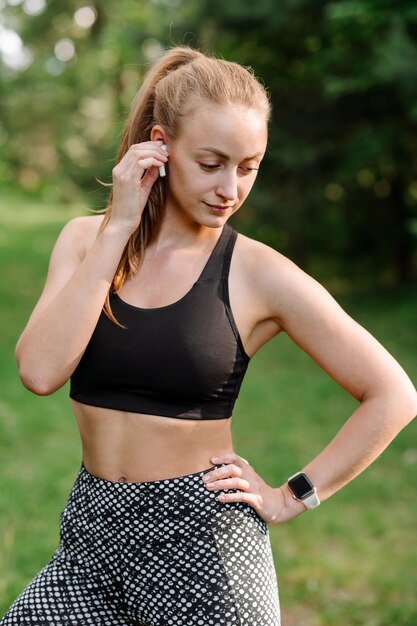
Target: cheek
column 189, row 180
column 178, row 179
column 181, row 172
column 245, row 188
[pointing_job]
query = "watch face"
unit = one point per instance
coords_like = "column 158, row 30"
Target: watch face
column 301, row 486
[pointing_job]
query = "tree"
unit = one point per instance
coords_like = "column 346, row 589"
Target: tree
column 337, row 191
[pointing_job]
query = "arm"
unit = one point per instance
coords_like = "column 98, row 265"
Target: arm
column 355, row 360
column 289, row 300
column 80, row 273
column 64, row 318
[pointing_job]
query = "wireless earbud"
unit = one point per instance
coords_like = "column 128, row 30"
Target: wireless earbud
column 162, row 171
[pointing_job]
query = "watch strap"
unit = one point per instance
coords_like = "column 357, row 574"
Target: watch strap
column 312, row 501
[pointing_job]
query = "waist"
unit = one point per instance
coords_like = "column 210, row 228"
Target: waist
column 134, row 447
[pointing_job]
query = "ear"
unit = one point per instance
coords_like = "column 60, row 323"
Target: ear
column 158, row 134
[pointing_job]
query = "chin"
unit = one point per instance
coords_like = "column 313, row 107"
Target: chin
column 214, row 217
column 214, row 221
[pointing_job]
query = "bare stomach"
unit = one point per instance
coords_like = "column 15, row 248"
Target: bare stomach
column 136, row 447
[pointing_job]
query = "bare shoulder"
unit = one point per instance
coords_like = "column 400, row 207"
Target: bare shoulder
column 80, row 233
column 271, row 276
column 259, row 257
column 74, row 241
column 287, row 294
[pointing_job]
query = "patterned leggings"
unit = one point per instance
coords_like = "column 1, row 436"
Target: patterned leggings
column 160, row 553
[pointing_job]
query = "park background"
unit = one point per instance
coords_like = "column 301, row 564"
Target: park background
column 337, row 193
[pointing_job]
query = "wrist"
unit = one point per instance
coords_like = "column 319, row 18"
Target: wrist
column 294, row 506
column 303, row 490
column 124, row 225
column 117, row 233
column 289, row 508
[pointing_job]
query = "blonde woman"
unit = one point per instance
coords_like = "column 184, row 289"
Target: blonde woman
column 154, row 311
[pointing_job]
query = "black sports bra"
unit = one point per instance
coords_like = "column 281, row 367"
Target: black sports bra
column 183, row 360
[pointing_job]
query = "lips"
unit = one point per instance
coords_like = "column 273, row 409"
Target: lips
column 219, row 207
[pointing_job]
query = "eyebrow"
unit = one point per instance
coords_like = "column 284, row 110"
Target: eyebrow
column 225, row 156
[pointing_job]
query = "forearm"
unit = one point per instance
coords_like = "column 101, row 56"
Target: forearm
column 52, row 343
column 363, row 437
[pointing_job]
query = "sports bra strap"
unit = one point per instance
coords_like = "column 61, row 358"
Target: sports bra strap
column 228, row 253
column 217, row 266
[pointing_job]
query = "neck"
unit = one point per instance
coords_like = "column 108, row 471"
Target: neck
column 179, row 231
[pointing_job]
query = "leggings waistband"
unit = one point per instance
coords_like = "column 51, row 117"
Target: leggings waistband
column 164, row 483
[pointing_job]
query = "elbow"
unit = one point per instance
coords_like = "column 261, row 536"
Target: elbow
column 399, row 399
column 407, row 404
column 410, row 397
column 37, row 384
column 413, row 403
column 41, row 383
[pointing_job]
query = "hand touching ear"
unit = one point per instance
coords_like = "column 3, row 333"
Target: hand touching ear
column 133, row 178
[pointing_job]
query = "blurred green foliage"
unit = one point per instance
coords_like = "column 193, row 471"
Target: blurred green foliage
column 350, row 563
column 337, row 191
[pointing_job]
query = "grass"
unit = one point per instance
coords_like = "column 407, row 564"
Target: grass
column 351, row 562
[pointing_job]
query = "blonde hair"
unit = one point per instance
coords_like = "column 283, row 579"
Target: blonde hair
column 176, row 79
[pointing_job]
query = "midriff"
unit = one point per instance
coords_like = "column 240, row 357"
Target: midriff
column 135, row 447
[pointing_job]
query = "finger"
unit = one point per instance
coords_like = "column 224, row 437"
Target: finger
column 222, row 472
column 127, row 165
column 145, row 163
column 148, row 180
column 155, row 149
column 241, row 496
column 147, row 144
column 229, row 483
column 229, row 457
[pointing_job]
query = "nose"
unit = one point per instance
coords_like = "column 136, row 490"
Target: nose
column 227, row 187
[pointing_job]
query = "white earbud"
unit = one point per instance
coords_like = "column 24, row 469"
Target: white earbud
column 162, row 171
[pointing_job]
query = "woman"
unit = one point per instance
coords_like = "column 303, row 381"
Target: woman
column 154, row 311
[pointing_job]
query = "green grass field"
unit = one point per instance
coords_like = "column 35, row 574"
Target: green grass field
column 352, row 562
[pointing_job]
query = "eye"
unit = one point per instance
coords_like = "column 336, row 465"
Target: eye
column 209, row 166
column 248, row 170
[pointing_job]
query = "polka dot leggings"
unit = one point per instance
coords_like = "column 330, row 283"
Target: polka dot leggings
column 160, row 553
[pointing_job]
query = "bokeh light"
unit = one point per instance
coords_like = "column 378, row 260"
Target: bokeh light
column 85, row 17
column 54, row 66
column 152, row 48
column 64, row 50
column 34, row 7
column 12, row 51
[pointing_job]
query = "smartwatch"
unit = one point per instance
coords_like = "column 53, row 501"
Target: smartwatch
column 302, row 489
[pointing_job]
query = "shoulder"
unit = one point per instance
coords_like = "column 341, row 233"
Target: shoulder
column 79, row 233
column 85, row 226
column 258, row 256
column 264, row 265
column 278, row 283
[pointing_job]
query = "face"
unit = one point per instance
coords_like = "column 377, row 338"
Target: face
column 214, row 161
